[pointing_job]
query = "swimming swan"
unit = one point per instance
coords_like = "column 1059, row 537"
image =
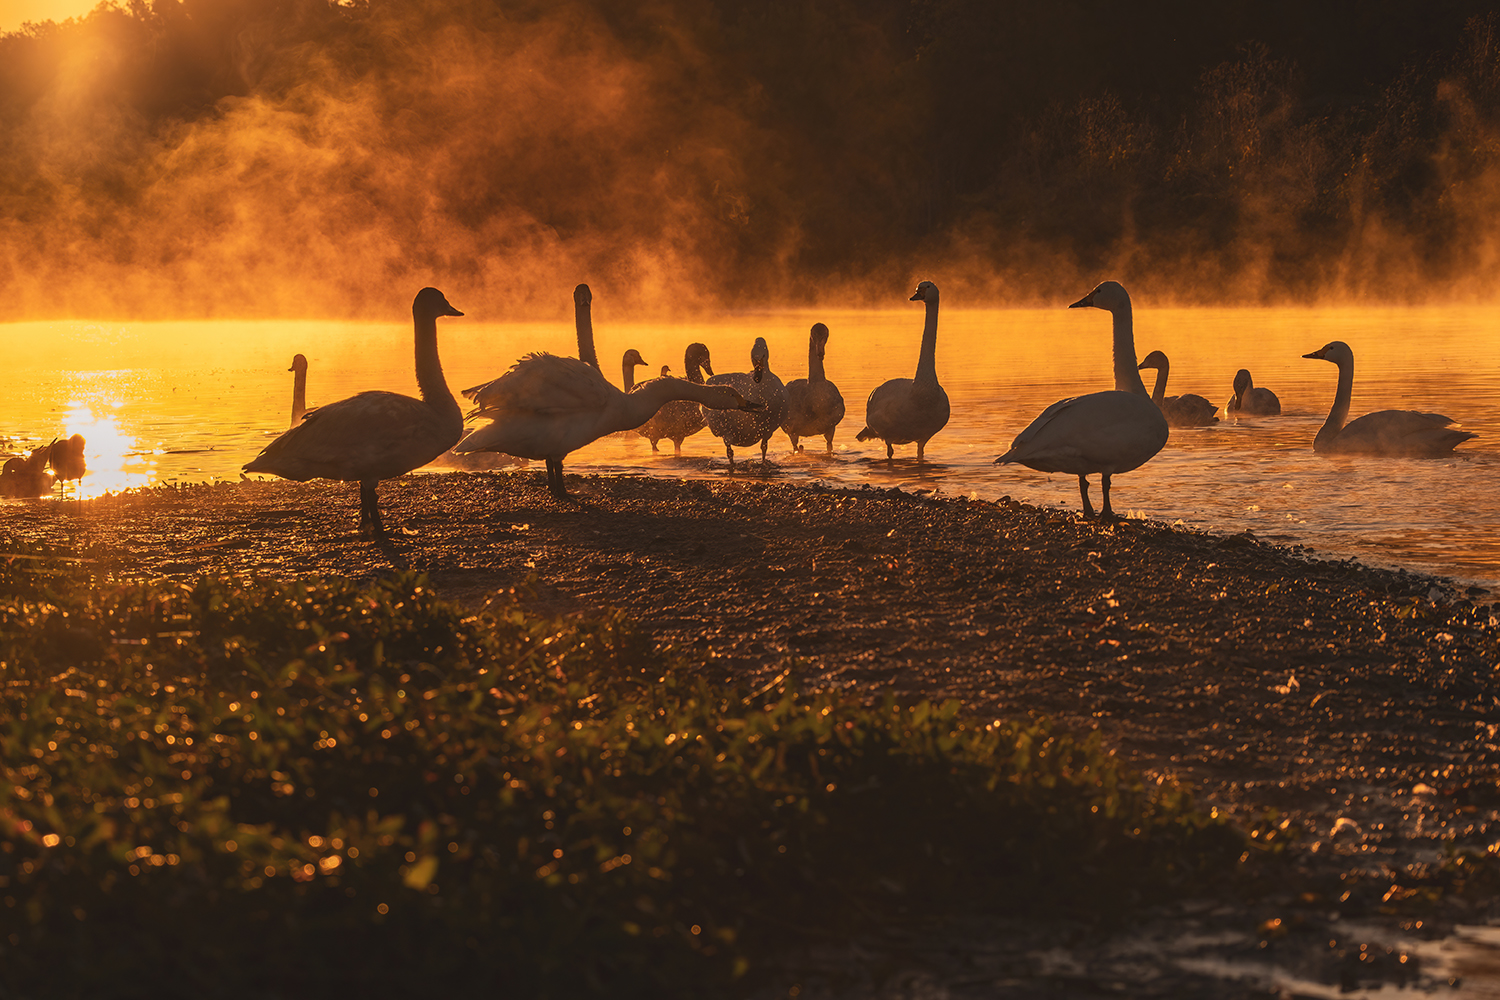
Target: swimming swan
column 1189, row 410
column 1103, row 432
column 1407, row 433
column 375, row 435
column 814, row 405
column 547, row 406
column 903, row 410
column 1251, row 400
column 299, row 387
column 680, row 419
column 761, row 385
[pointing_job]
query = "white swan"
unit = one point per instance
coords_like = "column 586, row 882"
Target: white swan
column 375, row 435
column 299, row 387
column 583, row 319
column 814, row 405
column 1396, row 433
column 903, row 410
column 547, row 406
column 1251, row 400
column 761, row 385
column 1187, row 410
column 680, row 419
column 1103, row 432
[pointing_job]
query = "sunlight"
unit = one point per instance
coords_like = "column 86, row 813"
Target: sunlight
column 116, row 461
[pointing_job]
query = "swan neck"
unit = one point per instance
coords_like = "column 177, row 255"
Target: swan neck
column 1339, row 412
column 927, row 360
column 641, row 405
column 1160, row 391
column 430, row 381
column 583, row 317
column 695, row 373
column 815, row 363
column 299, row 394
column 1127, row 375
column 627, row 375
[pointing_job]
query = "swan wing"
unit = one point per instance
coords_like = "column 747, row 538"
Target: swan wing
column 1400, row 432
column 1112, row 431
column 545, row 384
column 372, row 435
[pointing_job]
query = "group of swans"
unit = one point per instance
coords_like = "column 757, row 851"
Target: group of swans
column 547, row 406
column 34, row 474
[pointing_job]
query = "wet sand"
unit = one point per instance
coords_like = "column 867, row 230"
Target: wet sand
column 1355, row 700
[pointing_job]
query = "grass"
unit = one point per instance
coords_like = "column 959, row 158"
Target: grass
column 242, row 788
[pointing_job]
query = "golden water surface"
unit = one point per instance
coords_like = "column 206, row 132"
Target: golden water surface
column 192, row 402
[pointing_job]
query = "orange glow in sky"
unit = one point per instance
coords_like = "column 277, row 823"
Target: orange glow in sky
column 14, row 13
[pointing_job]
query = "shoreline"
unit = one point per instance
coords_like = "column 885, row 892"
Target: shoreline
column 1353, row 700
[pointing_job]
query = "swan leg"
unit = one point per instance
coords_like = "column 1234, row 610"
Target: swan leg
column 765, row 443
column 369, row 510
column 729, row 450
column 1105, row 514
column 921, row 446
column 794, row 441
column 653, row 444
column 890, row 451
column 555, row 483
column 829, row 436
column 677, row 447
column 1083, row 491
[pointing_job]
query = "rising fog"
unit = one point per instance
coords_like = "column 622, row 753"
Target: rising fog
column 296, row 158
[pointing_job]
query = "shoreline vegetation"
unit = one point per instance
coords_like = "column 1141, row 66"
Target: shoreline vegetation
column 743, row 737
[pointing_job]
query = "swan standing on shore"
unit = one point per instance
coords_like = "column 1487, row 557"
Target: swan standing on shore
column 760, row 385
column 814, row 405
column 1103, row 432
column 1250, row 400
column 375, row 435
column 680, row 419
column 1188, row 410
column 903, row 410
column 547, row 406
column 1394, row 433
column 299, row 387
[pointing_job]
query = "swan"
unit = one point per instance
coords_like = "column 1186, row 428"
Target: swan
column 903, row 410
column 26, row 477
column 666, row 370
column 628, row 366
column 547, row 406
column 1189, row 410
column 299, row 387
column 1103, row 432
column 1405, row 433
column 1251, row 400
column 680, row 418
column 66, row 458
column 813, row 404
column 761, row 385
column 583, row 319
column 375, row 435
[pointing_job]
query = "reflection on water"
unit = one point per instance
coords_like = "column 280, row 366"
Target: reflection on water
column 191, row 402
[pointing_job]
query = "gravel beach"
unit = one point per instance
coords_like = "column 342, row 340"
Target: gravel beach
column 1355, row 701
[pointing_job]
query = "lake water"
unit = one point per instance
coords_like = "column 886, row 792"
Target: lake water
column 192, row 402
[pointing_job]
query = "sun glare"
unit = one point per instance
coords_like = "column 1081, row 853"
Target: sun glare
column 116, row 461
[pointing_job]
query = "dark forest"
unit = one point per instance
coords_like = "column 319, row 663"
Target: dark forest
column 299, row 158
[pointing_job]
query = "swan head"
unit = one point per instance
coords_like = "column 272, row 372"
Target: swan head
column 666, row 370
column 696, row 356
column 926, row 292
column 583, row 297
column 760, row 358
column 1110, row 295
column 1337, row 351
column 820, row 338
column 299, row 363
column 1156, row 359
column 1242, row 382
column 430, row 304
column 633, row 357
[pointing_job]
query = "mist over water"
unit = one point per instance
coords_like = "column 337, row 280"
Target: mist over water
column 192, row 402
column 229, row 158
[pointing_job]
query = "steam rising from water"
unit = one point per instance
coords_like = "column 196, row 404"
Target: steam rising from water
column 331, row 162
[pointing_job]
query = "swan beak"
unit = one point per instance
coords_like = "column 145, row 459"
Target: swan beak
column 708, row 368
column 917, row 297
column 759, row 371
column 1087, row 300
column 450, row 311
column 1317, row 354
